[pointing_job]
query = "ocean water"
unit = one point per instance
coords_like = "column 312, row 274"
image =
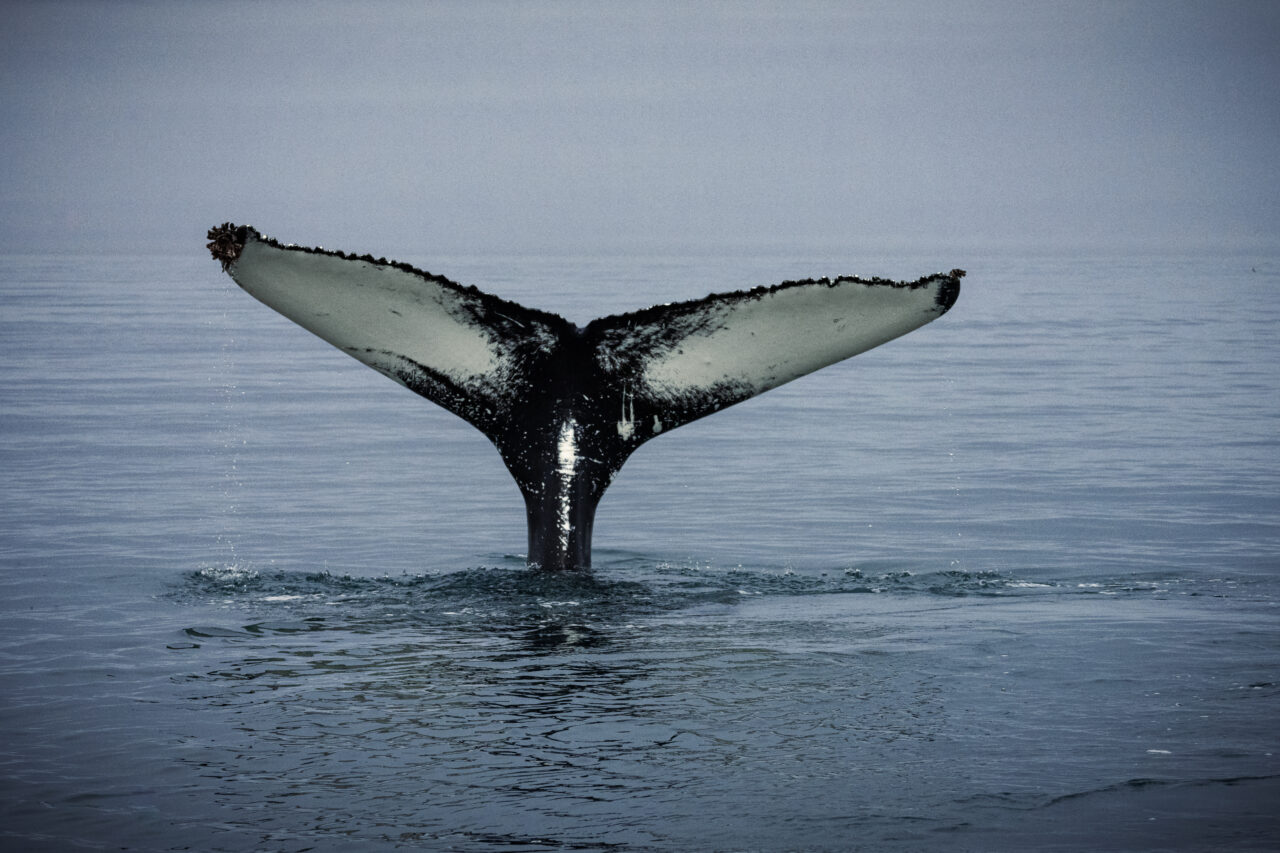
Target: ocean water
column 1011, row 582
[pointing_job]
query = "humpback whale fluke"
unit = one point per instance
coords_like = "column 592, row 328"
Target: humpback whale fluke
column 566, row 405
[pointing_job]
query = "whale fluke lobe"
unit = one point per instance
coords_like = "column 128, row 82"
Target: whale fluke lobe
column 565, row 406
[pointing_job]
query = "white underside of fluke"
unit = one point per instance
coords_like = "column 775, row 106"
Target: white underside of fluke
column 374, row 312
column 784, row 334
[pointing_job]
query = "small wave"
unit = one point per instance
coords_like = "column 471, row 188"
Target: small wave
column 546, row 609
column 949, row 583
column 1035, row 801
column 232, row 574
column 1144, row 784
column 575, row 606
column 662, row 586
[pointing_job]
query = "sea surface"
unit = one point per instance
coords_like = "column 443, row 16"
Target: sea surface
column 1011, row 582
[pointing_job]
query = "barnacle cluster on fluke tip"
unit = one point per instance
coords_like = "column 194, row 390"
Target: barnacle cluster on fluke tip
column 226, row 242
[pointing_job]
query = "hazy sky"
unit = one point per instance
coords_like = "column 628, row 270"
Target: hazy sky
column 412, row 127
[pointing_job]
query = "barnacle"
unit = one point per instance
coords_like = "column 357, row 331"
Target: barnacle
column 226, row 241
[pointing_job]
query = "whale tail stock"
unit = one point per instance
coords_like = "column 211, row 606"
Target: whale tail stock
column 564, row 405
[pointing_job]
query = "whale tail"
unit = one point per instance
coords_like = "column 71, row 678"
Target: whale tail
column 564, row 405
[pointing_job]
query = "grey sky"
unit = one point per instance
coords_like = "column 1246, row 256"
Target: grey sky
column 406, row 127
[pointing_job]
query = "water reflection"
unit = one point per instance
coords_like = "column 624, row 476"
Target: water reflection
column 558, row 635
column 467, row 707
column 449, row 652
